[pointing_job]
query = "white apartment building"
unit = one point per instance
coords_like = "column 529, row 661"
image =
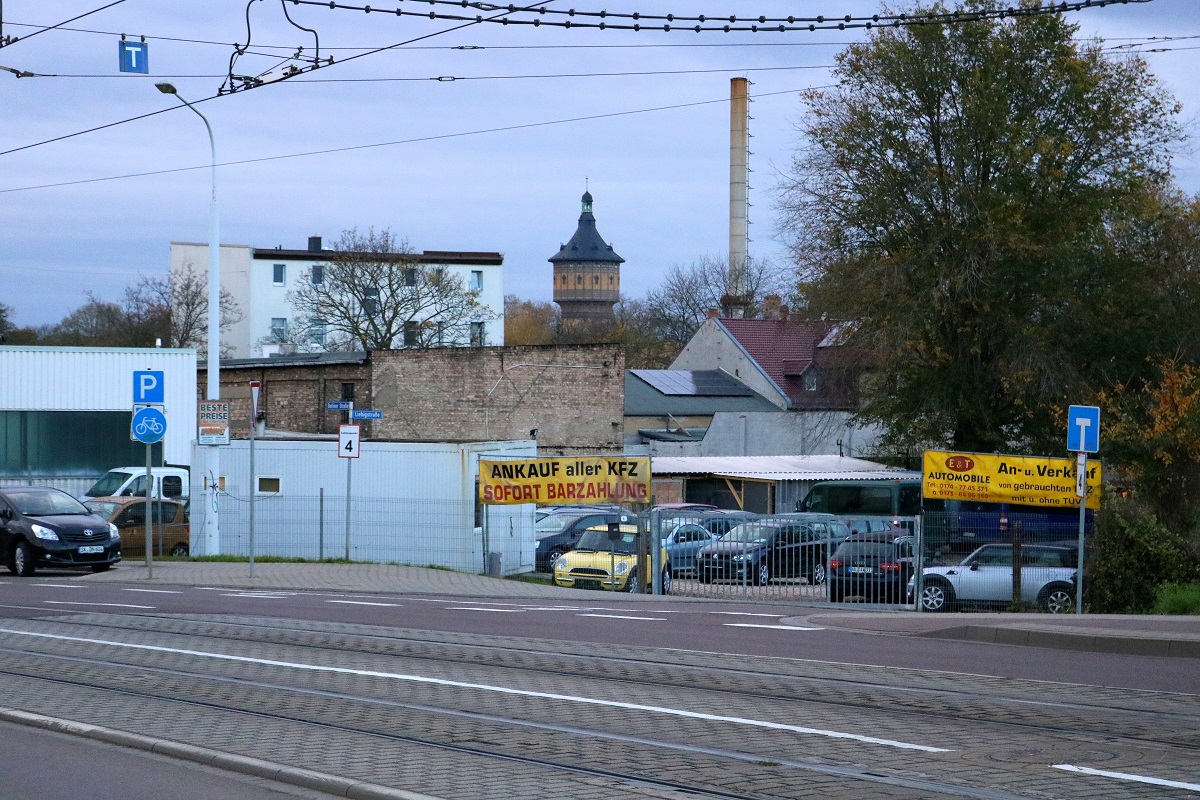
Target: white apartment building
column 259, row 279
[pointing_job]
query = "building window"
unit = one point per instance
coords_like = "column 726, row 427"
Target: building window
column 610, row 280
column 279, row 276
column 318, row 274
column 595, row 280
column 316, row 331
column 478, row 334
column 440, row 335
column 370, row 301
column 279, row 328
column 564, row 280
column 348, row 392
column 477, row 279
column 410, row 334
column 579, row 280
column 810, row 380
column 267, row 485
column 410, row 277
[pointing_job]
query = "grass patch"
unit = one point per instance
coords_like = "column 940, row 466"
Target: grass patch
column 533, row 577
column 1178, row 598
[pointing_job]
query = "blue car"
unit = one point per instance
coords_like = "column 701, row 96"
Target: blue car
column 682, row 540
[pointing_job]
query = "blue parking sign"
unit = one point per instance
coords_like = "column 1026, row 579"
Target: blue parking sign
column 135, row 57
column 148, row 388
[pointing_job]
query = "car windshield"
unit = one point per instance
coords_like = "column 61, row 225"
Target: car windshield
column 108, row 484
column 103, row 508
column 861, row 551
column 597, row 541
column 750, row 533
column 552, row 524
column 45, row 504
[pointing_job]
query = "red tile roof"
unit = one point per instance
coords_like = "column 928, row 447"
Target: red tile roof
column 782, row 349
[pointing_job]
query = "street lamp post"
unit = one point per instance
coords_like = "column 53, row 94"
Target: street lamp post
column 212, row 536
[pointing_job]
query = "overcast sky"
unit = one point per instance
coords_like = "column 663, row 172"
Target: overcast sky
column 495, row 161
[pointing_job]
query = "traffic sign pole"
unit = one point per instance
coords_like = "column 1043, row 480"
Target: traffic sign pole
column 1083, row 437
column 1081, row 489
column 149, row 516
column 254, row 386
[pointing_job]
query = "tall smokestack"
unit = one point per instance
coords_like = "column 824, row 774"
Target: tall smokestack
column 738, row 208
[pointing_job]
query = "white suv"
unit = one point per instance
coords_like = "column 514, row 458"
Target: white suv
column 986, row 578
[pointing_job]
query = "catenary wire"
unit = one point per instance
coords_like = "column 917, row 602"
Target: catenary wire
column 4, row 43
column 414, row 140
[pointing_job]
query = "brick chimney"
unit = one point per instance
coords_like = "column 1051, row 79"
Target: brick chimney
column 713, row 313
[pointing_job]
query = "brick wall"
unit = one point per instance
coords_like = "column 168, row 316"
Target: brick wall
column 574, row 395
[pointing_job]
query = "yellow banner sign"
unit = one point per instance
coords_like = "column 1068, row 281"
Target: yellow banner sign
column 565, row 481
column 1027, row 480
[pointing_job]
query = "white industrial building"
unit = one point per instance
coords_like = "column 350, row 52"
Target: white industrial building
column 260, row 280
column 65, row 412
column 411, row 503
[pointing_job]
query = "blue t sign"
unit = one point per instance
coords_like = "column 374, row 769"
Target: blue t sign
column 135, row 57
column 1083, row 429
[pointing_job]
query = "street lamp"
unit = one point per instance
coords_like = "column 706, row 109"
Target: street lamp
column 213, row 370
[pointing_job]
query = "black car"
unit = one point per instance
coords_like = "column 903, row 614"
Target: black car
column 43, row 527
column 558, row 533
column 758, row 551
column 874, row 566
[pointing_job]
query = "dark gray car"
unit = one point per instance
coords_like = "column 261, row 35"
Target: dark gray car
column 43, row 527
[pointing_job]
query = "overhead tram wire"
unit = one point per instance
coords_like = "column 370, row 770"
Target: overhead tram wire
column 415, row 140
column 215, row 96
column 7, row 42
column 700, row 24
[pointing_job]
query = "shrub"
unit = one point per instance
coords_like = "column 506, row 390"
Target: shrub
column 1132, row 554
column 1175, row 598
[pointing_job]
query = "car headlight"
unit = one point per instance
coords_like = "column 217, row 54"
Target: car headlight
column 113, row 533
column 740, row 558
column 622, row 567
column 561, row 563
column 44, row 533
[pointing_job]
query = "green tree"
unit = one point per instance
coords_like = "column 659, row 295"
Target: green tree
column 958, row 195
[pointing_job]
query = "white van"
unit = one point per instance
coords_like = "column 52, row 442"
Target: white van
column 169, row 482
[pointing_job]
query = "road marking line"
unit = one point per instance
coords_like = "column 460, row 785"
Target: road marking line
column 60, row 585
column 469, row 608
column 259, row 595
column 771, row 627
column 115, row 605
column 674, row 712
column 362, row 603
column 620, row 616
column 746, row 614
column 1126, row 776
column 152, row 591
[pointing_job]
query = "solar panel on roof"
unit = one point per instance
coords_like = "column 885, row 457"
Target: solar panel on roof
column 694, row 383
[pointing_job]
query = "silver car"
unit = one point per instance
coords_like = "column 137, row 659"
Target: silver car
column 682, row 541
column 986, row 578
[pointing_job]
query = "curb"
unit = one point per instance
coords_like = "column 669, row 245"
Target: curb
column 1062, row 640
column 294, row 776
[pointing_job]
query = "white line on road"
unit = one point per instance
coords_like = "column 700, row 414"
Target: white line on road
column 152, row 591
column 60, row 585
column 468, row 608
column 113, row 605
column 745, row 614
column 620, row 616
column 259, row 595
column 771, row 627
column 674, row 712
column 362, row 603
column 1125, row 776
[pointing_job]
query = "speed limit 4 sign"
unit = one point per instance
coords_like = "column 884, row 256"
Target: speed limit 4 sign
column 348, row 436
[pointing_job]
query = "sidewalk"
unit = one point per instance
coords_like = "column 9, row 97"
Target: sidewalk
column 1150, row 635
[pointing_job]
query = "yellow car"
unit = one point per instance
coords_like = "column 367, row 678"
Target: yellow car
column 604, row 561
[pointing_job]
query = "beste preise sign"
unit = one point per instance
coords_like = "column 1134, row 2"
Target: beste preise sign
column 212, row 419
column 1025, row 480
column 564, row 481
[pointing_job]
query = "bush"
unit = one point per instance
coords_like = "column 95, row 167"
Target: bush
column 1132, row 554
column 1175, row 598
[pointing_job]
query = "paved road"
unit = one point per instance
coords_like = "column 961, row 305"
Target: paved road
column 515, row 692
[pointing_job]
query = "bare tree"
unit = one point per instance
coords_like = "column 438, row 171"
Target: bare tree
column 374, row 294
column 180, row 301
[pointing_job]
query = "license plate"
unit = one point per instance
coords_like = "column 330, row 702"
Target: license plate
column 862, row 570
column 92, row 548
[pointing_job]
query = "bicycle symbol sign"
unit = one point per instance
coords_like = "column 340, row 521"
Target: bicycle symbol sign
column 148, row 425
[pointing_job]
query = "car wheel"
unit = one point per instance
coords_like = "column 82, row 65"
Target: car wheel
column 631, row 583
column 22, row 560
column 100, row 567
column 704, row 576
column 666, row 581
column 763, row 574
column 817, row 575
column 180, row 550
column 936, row 596
column 553, row 558
column 1058, row 599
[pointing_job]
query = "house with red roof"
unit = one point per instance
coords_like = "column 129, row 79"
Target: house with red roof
column 798, row 367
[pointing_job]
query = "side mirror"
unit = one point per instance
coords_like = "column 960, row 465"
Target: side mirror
column 974, row 565
column 614, row 531
column 6, row 513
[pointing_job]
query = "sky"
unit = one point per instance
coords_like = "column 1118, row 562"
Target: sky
column 494, row 160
